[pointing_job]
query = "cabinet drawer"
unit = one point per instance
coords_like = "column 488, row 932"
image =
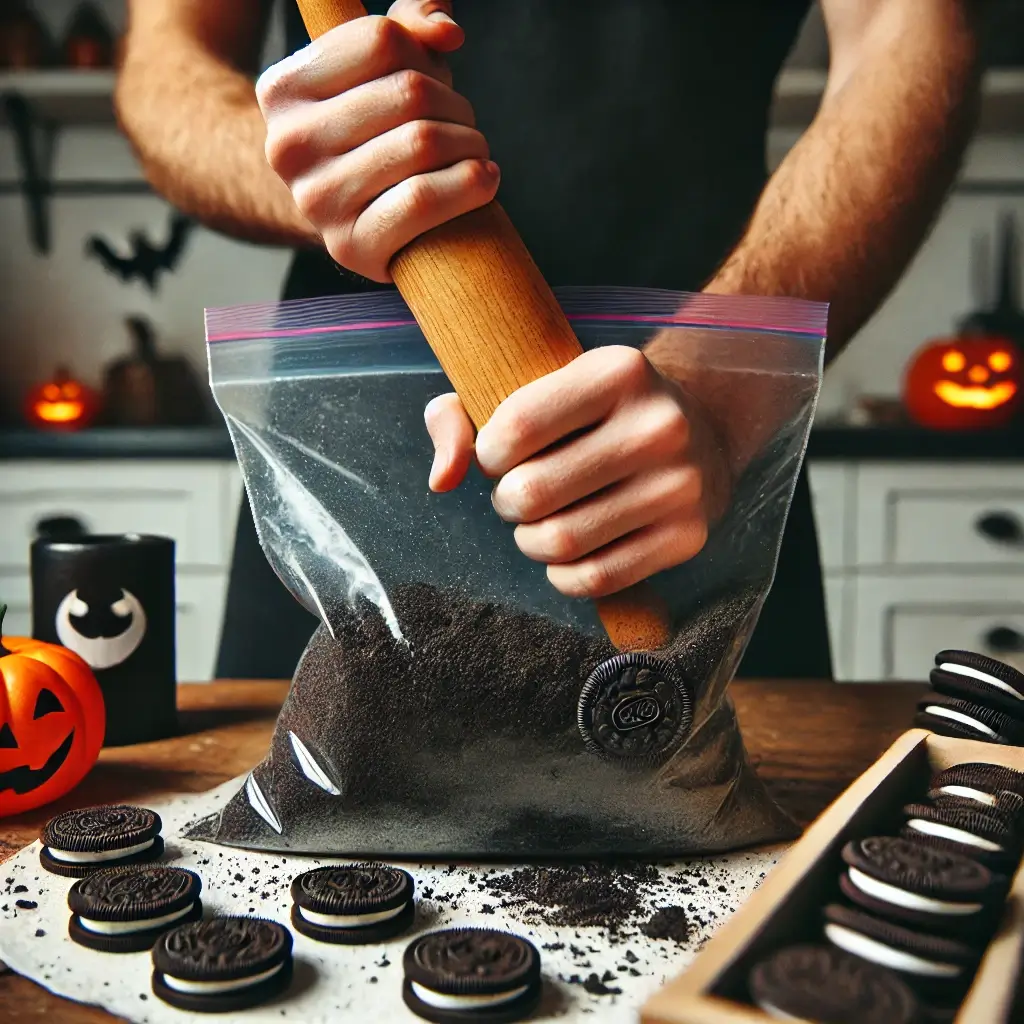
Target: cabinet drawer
column 901, row 623
column 190, row 502
column 934, row 516
column 199, row 604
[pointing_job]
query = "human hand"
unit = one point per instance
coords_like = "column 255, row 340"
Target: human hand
column 609, row 469
column 364, row 128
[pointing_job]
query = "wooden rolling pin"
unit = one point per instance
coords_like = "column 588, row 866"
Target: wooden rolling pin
column 494, row 326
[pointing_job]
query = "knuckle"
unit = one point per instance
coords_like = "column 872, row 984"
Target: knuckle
column 283, row 147
column 558, row 541
column 275, row 87
column 519, row 494
column 668, row 428
column 418, row 196
column 413, row 88
column 627, row 367
column 383, row 35
column 423, row 141
column 310, row 197
column 595, row 578
column 478, row 180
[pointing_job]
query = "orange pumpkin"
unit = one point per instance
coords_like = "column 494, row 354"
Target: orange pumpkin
column 964, row 384
column 62, row 403
column 52, row 721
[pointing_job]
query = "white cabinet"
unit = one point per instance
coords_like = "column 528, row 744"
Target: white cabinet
column 919, row 557
column 193, row 501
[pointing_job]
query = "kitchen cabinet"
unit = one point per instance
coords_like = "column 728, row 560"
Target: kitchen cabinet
column 194, row 501
column 920, row 556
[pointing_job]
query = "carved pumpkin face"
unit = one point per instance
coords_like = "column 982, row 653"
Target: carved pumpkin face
column 62, row 404
column 964, row 383
column 52, row 722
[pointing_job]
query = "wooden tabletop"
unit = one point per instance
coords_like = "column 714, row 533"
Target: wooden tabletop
column 808, row 740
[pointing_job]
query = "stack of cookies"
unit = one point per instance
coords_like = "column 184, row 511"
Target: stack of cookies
column 974, row 698
column 917, row 910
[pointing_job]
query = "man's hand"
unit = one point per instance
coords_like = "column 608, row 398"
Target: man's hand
column 366, row 131
column 608, row 469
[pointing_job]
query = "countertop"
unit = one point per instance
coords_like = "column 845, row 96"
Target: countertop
column 809, row 740
column 827, row 442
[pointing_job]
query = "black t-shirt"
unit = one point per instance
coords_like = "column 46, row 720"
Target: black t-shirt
column 631, row 140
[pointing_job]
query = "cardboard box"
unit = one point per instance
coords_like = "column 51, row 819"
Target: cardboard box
column 786, row 908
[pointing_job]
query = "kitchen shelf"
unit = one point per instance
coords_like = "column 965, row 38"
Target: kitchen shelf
column 63, row 95
column 798, row 93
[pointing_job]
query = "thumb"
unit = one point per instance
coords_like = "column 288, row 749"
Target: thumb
column 451, row 430
column 430, row 21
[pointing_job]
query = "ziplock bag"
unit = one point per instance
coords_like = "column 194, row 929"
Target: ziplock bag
column 452, row 703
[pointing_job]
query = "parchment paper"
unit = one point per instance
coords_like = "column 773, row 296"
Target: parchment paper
column 359, row 983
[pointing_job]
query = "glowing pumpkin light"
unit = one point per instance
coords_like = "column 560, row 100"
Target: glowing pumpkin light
column 62, row 404
column 52, row 722
column 964, row 384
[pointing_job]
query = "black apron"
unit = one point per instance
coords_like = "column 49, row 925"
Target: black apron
column 631, row 142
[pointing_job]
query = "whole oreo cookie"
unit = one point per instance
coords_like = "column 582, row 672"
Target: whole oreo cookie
column 936, row 968
column 964, row 827
column 471, row 974
column 912, row 883
column 353, row 905
column 825, row 983
column 967, row 720
column 978, row 781
column 976, row 677
column 78, row 842
column 125, row 910
column 636, row 708
column 222, row 965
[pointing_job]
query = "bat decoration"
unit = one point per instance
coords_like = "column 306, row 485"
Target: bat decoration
column 146, row 260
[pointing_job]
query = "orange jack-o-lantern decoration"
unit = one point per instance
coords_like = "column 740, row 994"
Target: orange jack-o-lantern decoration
column 62, row 404
column 52, row 722
column 964, row 383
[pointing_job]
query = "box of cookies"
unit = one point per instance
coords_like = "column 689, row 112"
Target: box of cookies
column 902, row 903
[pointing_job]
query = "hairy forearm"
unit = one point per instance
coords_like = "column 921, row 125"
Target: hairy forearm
column 199, row 135
column 851, row 203
column 849, row 206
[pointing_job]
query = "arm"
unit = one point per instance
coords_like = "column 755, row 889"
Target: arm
column 850, row 204
column 186, row 101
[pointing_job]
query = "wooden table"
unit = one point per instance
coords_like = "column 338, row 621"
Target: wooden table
column 809, row 740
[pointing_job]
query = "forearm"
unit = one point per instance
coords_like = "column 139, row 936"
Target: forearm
column 848, row 207
column 199, row 135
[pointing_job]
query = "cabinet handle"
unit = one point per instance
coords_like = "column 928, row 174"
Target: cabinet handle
column 1002, row 527
column 55, row 527
column 1004, row 640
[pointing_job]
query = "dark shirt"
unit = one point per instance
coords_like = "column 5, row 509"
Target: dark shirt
column 631, row 140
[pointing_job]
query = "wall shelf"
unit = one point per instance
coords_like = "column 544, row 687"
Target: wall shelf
column 63, row 95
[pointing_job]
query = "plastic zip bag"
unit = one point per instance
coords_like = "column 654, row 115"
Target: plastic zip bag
column 452, row 703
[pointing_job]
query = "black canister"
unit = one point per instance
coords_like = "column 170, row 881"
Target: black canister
column 110, row 599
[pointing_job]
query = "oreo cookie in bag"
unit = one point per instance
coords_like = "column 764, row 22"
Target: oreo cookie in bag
column 125, row 910
column 78, row 842
column 353, row 905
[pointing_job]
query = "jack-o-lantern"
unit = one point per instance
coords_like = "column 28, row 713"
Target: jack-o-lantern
column 52, row 722
column 964, row 384
column 62, row 403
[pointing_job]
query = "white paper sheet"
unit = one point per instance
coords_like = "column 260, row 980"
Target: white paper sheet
column 358, row 983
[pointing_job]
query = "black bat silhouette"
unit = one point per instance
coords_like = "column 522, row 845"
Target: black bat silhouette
column 147, row 260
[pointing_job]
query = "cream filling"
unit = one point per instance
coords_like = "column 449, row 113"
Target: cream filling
column 213, row 988
column 878, row 952
column 127, row 927
column 92, row 857
column 982, row 677
column 443, row 1001
column 909, row 900
column 969, row 794
column 956, row 835
column 963, row 719
column 348, row 920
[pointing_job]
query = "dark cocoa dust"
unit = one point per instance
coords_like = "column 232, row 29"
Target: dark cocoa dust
column 668, row 923
column 575, row 895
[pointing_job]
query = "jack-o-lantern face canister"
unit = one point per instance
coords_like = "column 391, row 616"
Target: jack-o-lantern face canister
column 51, row 722
column 964, row 384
